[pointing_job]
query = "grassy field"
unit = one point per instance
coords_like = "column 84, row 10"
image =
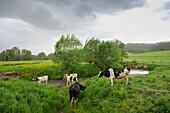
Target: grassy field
column 42, row 68
column 18, row 96
column 159, row 57
column 25, row 66
column 149, row 93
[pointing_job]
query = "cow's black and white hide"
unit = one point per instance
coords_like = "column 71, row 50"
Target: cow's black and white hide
column 74, row 91
column 41, row 79
column 68, row 78
column 116, row 73
column 74, row 78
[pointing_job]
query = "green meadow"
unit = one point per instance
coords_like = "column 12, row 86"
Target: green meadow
column 148, row 93
column 159, row 57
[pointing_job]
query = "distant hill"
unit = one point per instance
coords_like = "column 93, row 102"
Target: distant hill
column 143, row 47
column 155, row 54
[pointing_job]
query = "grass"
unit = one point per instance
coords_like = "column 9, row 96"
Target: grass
column 149, row 93
column 42, row 68
column 159, row 57
column 25, row 66
column 28, row 97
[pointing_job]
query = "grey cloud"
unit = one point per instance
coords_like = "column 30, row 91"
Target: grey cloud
column 166, row 8
column 62, row 14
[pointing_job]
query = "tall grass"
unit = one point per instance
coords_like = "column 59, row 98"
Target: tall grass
column 148, row 93
column 22, row 96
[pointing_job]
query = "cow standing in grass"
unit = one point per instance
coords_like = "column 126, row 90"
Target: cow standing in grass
column 68, row 79
column 116, row 73
column 41, row 79
column 74, row 78
column 74, row 91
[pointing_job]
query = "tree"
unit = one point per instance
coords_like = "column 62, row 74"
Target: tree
column 26, row 54
column 122, row 48
column 50, row 56
column 42, row 56
column 17, row 53
column 90, row 50
column 67, row 52
column 108, row 55
column 3, row 56
column 10, row 55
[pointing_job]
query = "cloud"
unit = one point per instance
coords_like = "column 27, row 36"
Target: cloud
column 62, row 14
column 166, row 8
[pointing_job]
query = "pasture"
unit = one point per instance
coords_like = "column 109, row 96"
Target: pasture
column 149, row 93
column 159, row 57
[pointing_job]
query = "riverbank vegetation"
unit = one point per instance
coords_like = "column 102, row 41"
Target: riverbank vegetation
column 18, row 96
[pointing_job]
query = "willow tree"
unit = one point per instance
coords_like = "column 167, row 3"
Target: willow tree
column 68, row 52
column 90, row 50
column 108, row 55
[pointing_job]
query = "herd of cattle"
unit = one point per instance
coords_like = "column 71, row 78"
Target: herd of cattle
column 75, row 87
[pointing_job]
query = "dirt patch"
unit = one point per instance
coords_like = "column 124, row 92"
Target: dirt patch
column 9, row 75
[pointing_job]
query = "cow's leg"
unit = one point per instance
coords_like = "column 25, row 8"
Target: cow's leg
column 77, row 96
column 74, row 102
column 127, row 80
column 111, row 81
column 39, row 82
column 71, row 100
column 67, row 83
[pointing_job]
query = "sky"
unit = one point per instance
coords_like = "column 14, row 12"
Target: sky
column 37, row 25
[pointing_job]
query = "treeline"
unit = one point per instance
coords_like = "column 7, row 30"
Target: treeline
column 69, row 52
column 15, row 54
column 143, row 47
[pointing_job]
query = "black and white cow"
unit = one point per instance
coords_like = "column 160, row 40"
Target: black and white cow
column 74, row 91
column 74, row 78
column 116, row 73
column 68, row 79
column 41, row 79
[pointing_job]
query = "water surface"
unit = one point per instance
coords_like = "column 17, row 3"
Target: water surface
column 61, row 83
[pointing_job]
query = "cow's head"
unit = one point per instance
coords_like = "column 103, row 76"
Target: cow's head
column 126, row 69
column 65, row 76
column 83, row 88
column 101, row 73
column 35, row 78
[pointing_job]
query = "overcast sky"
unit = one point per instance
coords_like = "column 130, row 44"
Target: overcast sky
column 37, row 25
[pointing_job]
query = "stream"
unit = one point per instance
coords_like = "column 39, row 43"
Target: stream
column 61, row 83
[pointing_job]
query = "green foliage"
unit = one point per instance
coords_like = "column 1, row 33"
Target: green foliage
column 90, row 49
column 42, row 56
column 68, row 52
column 108, row 55
column 23, row 96
column 122, row 48
column 142, row 47
column 26, row 54
column 15, row 54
